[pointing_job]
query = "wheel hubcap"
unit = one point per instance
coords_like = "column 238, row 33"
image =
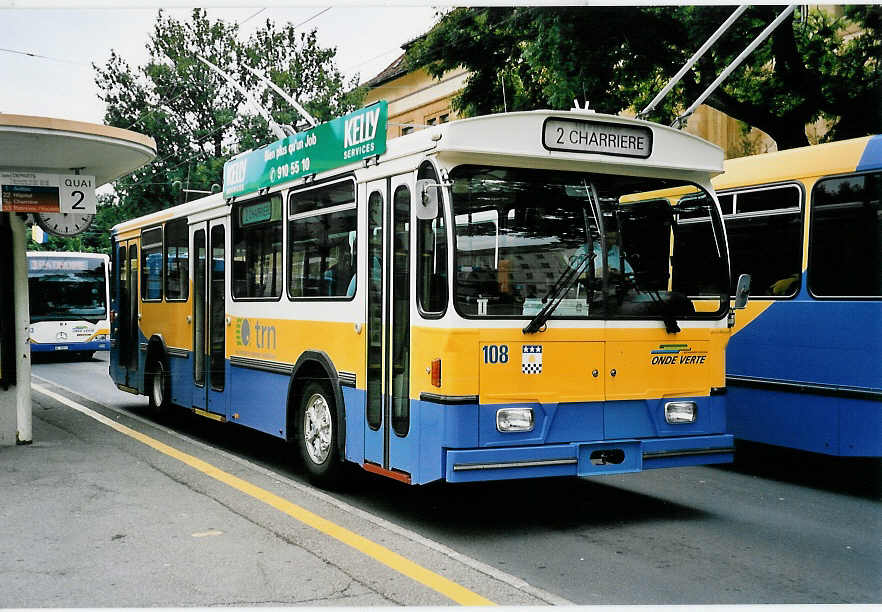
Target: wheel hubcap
column 157, row 385
column 317, row 428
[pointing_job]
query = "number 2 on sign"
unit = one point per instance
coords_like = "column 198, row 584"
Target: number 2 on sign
column 495, row 354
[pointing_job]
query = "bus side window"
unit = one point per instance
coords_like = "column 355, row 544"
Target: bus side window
column 151, row 264
column 765, row 240
column 176, row 255
column 845, row 242
column 257, row 249
column 322, row 241
column 431, row 255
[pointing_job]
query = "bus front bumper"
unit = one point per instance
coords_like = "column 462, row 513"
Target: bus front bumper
column 587, row 458
column 50, row 347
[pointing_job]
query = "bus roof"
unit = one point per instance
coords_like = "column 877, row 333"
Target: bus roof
column 188, row 208
column 514, row 139
column 804, row 162
column 521, row 139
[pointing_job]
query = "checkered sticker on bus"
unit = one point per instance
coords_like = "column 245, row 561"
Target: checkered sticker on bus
column 531, row 359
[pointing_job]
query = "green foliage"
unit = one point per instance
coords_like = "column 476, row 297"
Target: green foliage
column 197, row 119
column 816, row 65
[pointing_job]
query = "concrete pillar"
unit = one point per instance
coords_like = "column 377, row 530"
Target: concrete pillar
column 22, row 324
column 15, row 401
column 9, row 388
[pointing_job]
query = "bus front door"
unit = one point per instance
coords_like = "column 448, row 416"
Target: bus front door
column 209, row 318
column 388, row 443
column 126, row 323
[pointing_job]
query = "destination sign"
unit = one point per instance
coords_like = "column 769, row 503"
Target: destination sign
column 268, row 210
column 581, row 136
column 330, row 145
column 34, row 192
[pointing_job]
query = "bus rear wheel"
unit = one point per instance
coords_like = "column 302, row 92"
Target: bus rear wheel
column 317, row 435
column 159, row 392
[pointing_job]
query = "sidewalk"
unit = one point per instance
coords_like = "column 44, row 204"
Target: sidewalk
column 91, row 517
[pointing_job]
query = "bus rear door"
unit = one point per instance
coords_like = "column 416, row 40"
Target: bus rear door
column 126, row 323
column 209, row 318
column 388, row 443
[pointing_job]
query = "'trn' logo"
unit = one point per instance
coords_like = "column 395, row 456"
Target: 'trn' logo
column 264, row 335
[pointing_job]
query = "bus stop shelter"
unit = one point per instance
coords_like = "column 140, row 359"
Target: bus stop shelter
column 46, row 146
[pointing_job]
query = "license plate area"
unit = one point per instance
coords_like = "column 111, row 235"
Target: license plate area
column 610, row 458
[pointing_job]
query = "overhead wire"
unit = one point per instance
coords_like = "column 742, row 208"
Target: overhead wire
column 46, row 57
column 461, row 17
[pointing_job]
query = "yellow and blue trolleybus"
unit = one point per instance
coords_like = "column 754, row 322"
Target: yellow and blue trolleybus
column 804, row 366
column 492, row 298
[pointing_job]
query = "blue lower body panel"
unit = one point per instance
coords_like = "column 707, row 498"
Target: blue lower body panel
column 586, row 458
column 70, row 347
column 829, row 424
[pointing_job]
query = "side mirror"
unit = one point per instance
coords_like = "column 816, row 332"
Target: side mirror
column 428, row 195
column 742, row 291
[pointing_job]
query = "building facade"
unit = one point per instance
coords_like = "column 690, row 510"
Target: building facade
column 416, row 100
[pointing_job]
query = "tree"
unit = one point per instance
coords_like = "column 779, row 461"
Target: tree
column 816, row 64
column 196, row 117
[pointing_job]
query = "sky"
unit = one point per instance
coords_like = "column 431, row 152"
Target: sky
column 57, row 80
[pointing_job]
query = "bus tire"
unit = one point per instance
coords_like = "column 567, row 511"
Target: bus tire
column 159, row 390
column 317, row 435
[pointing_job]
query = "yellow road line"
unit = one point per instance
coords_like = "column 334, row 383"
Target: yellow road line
column 393, row 560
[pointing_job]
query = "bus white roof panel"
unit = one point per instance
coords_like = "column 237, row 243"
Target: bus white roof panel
column 520, row 135
column 202, row 205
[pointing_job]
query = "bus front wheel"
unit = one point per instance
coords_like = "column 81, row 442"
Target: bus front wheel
column 317, row 437
column 159, row 389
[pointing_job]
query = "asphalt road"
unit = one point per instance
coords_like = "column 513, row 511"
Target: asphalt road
column 779, row 527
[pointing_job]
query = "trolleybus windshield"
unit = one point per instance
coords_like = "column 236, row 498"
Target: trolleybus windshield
column 66, row 288
column 522, row 233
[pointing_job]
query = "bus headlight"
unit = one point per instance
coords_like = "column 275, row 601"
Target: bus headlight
column 101, row 337
column 680, row 412
column 514, row 419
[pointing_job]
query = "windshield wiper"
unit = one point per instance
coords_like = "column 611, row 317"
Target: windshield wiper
column 553, row 298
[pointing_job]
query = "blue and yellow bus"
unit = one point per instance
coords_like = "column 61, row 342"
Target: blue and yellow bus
column 69, row 296
column 804, row 366
column 490, row 298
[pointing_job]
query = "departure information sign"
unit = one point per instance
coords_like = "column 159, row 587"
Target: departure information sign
column 330, row 145
column 35, row 192
column 580, row 136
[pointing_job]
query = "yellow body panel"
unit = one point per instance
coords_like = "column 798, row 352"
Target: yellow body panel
column 833, row 158
column 569, row 356
column 565, row 376
column 283, row 341
column 170, row 320
column 569, row 359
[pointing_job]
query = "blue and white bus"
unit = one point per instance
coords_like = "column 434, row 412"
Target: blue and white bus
column 69, row 302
